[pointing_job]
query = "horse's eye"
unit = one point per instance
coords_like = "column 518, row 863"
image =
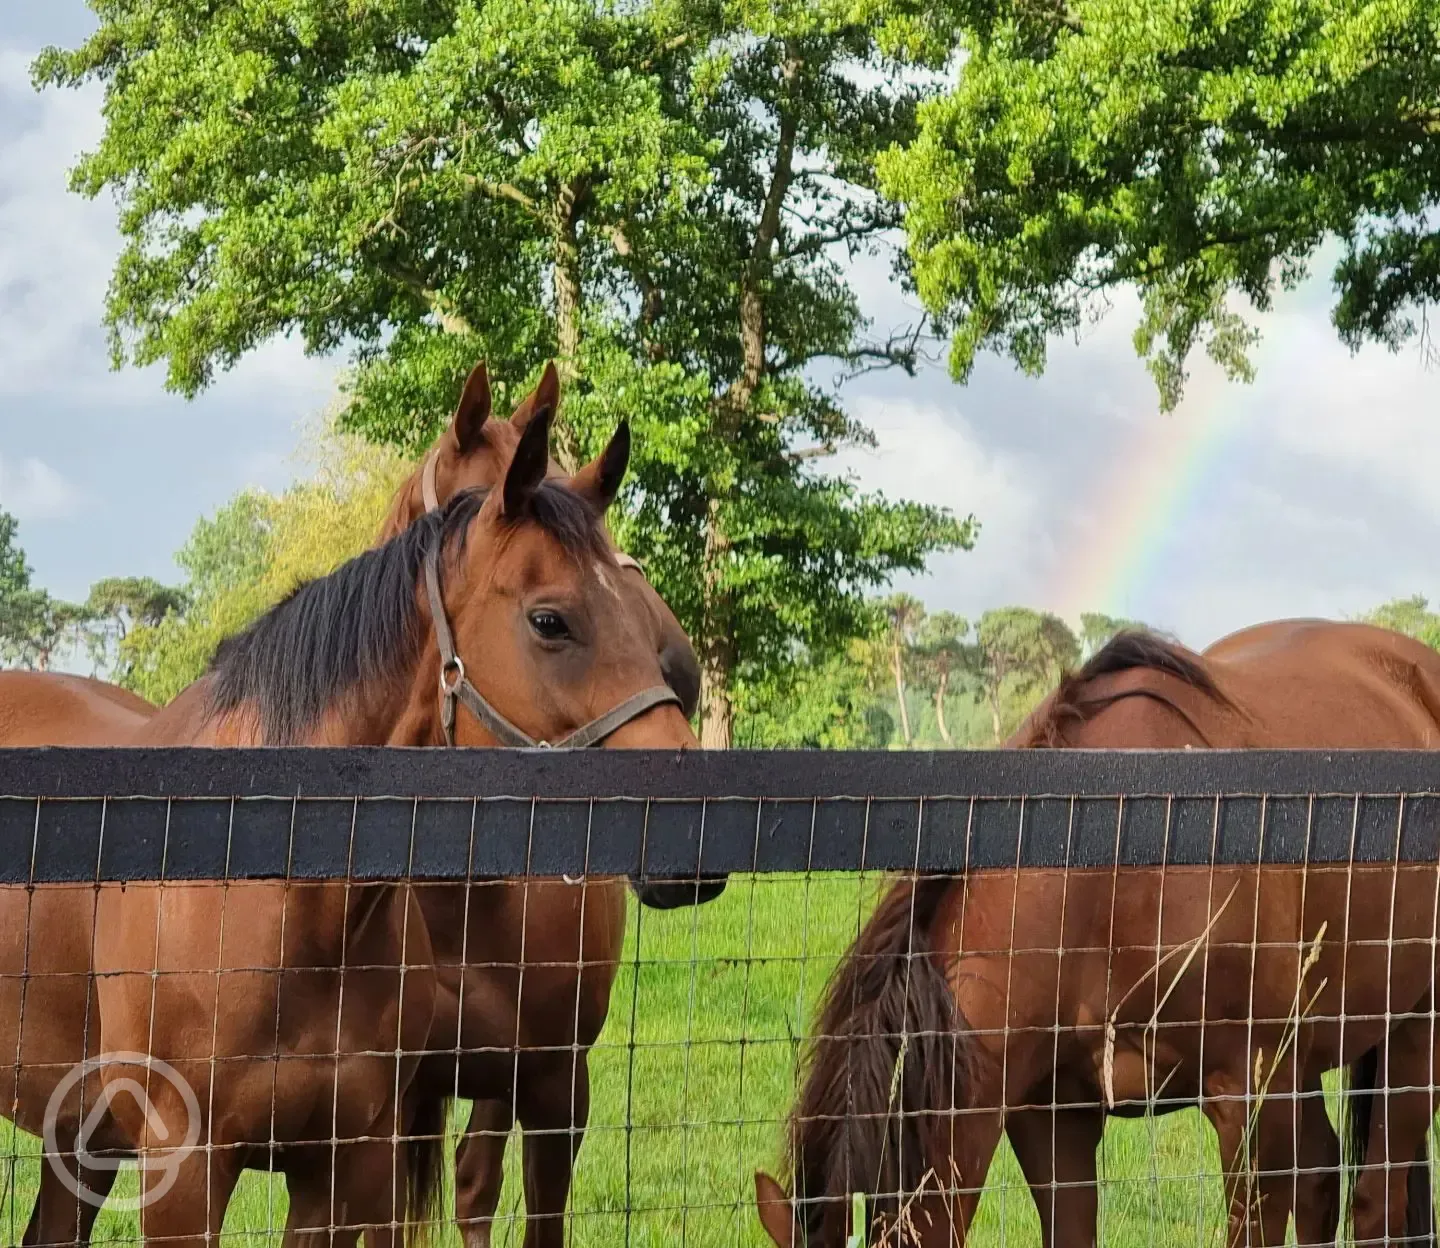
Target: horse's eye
column 549, row 625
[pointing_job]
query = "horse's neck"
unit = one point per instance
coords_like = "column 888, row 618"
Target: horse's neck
column 403, row 714
column 184, row 720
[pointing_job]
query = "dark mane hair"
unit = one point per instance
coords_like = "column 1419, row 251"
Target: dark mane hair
column 1126, row 651
column 873, row 1111
column 361, row 624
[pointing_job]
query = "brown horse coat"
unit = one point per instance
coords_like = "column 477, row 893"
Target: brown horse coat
column 331, row 1071
column 1034, row 990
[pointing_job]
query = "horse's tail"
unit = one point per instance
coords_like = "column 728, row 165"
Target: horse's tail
column 882, row 1069
column 425, row 1156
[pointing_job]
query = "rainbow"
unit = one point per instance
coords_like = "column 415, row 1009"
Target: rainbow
column 1138, row 509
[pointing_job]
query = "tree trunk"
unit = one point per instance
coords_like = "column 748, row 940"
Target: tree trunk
column 994, row 693
column 717, row 711
column 898, row 668
column 940, row 707
column 568, row 295
column 717, row 658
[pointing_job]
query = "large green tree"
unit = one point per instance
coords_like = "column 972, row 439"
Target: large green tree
column 662, row 195
column 1194, row 151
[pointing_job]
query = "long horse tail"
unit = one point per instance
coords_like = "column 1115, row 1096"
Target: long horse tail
column 424, row 1171
column 881, row 1075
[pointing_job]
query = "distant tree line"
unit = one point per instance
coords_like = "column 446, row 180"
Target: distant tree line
column 930, row 680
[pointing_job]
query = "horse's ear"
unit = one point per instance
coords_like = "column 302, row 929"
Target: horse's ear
column 473, row 410
column 777, row 1214
column 546, row 394
column 599, row 480
column 530, row 463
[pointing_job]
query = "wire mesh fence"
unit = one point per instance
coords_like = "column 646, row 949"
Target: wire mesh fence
column 998, row 998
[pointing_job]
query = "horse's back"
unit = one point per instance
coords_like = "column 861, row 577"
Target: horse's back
column 54, row 708
column 1321, row 684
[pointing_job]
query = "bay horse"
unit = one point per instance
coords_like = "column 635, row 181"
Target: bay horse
column 348, row 660
column 473, row 452
column 1028, row 999
column 530, row 1063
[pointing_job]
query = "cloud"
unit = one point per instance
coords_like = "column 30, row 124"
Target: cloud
column 1320, row 500
column 58, row 247
column 931, row 453
column 32, row 490
column 57, row 252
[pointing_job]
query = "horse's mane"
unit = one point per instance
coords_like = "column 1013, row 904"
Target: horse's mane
column 362, row 623
column 872, row 1113
column 1132, row 649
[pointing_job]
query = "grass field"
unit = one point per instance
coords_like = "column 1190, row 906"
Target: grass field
column 720, row 998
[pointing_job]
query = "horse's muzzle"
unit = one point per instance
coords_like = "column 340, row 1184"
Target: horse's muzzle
column 673, row 894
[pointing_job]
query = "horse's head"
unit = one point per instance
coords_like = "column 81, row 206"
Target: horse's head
column 474, row 452
column 535, row 601
column 777, row 1212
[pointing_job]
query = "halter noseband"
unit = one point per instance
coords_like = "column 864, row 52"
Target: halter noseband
column 455, row 685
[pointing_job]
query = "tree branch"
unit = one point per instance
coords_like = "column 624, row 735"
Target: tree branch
column 503, row 190
column 652, row 298
column 877, row 223
column 900, row 350
column 673, row 44
column 441, row 306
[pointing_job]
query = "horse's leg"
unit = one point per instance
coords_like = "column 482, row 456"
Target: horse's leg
column 1056, row 1151
column 189, row 1212
column 1258, row 1149
column 314, row 1203
column 339, row 1193
column 60, row 1217
column 554, row 1107
column 1317, row 1187
column 1399, row 1128
column 480, row 1170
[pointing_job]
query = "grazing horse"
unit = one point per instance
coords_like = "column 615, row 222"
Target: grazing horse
column 251, row 1013
column 1027, row 999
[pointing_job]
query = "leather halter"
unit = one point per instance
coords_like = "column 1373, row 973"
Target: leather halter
column 455, row 685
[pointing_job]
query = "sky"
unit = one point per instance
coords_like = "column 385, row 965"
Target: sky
column 1312, row 492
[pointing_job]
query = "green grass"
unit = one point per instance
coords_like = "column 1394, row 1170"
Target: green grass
column 721, row 996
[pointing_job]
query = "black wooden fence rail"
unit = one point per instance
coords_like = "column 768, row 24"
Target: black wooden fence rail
column 184, row 814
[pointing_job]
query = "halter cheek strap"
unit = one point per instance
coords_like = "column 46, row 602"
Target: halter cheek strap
column 427, row 482
column 455, row 687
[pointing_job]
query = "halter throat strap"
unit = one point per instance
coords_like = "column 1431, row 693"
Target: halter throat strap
column 455, row 686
